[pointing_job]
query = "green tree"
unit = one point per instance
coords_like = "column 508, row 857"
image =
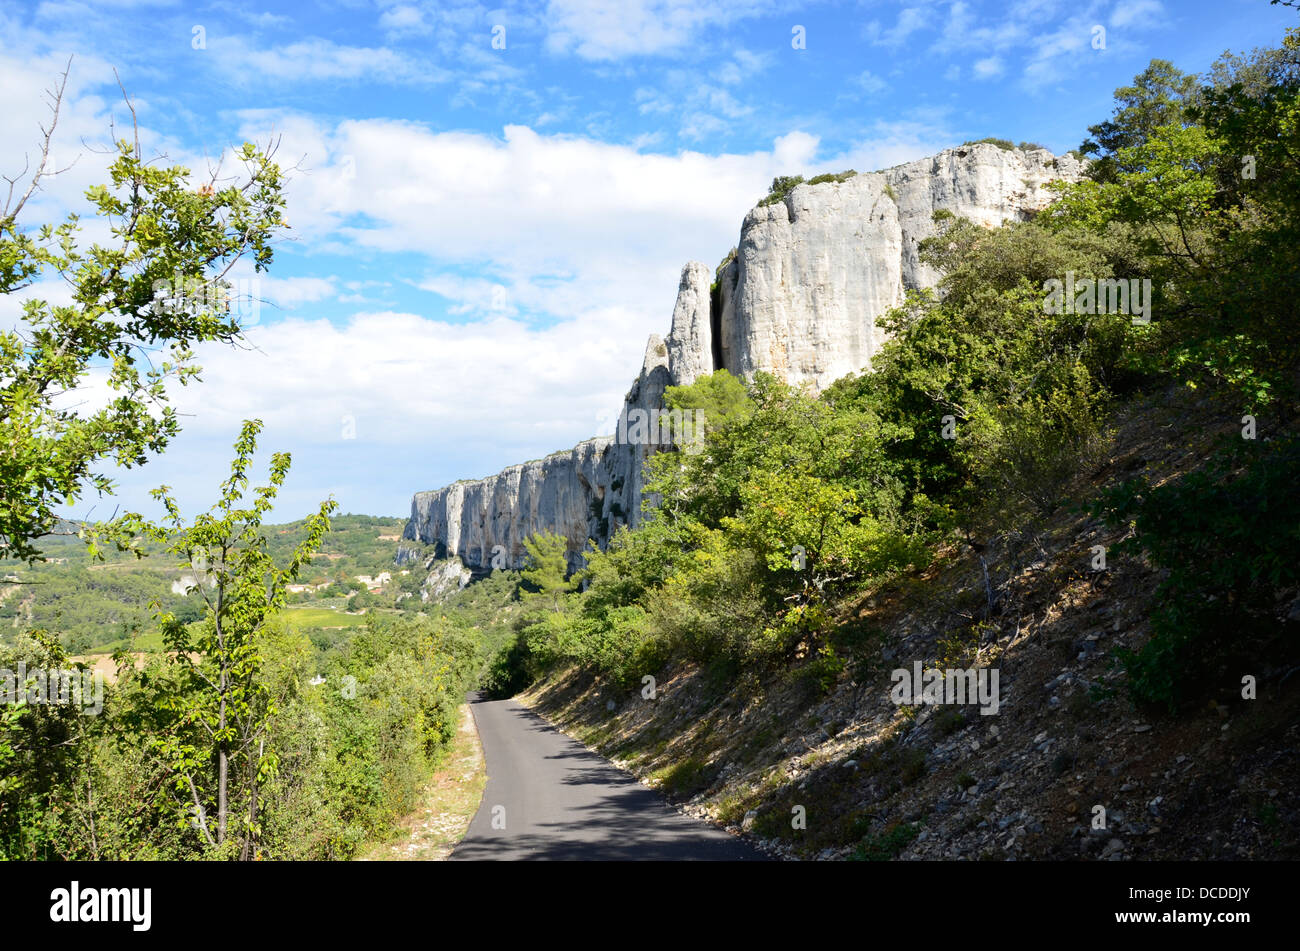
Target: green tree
column 1160, row 96
column 139, row 304
column 39, row 749
column 217, row 744
column 544, row 580
column 782, row 185
column 812, row 534
column 718, row 398
column 1212, row 201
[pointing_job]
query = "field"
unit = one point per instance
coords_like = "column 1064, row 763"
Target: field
column 97, row 607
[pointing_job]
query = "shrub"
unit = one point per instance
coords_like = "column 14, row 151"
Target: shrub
column 1005, row 144
column 888, row 843
column 1229, row 539
column 843, row 176
column 782, row 185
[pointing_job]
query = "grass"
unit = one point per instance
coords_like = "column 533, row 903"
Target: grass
column 683, row 778
column 300, row 618
column 307, row 617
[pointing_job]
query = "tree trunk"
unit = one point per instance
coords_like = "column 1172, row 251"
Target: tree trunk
column 223, row 761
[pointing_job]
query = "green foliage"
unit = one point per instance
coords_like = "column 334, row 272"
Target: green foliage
column 1160, row 96
column 1026, row 456
column 508, row 672
column 38, row 752
column 987, row 355
column 837, row 177
column 717, row 398
column 163, row 230
column 782, row 185
column 544, row 582
column 888, row 843
column 1227, row 540
column 228, row 745
column 1005, row 144
column 685, row 778
column 1206, row 187
column 222, row 707
column 382, row 731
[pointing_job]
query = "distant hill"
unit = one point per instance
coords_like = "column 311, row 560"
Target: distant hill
column 97, row 607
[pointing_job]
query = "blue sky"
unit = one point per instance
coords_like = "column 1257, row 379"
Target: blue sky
column 482, row 237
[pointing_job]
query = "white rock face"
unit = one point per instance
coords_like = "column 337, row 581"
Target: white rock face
column 475, row 520
column 690, row 343
column 983, row 183
column 815, row 271
column 800, row 300
column 449, row 575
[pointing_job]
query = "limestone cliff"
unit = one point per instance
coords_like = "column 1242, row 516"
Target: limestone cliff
column 799, row 299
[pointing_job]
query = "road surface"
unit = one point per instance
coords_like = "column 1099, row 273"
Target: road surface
column 557, row 800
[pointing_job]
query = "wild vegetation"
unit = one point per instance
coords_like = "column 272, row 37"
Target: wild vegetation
column 242, row 725
column 228, row 732
column 983, row 407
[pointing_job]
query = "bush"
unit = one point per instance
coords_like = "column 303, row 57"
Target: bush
column 782, row 185
column 888, row 843
column 1229, row 540
column 509, row 672
column 843, row 176
column 1005, row 144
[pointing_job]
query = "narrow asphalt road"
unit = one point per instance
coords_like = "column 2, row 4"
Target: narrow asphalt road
column 548, row 797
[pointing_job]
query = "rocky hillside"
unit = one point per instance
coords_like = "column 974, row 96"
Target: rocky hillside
column 877, row 780
column 799, row 298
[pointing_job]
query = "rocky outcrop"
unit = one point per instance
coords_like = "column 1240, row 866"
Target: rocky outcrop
column 582, row 493
column 448, row 576
column 484, row 519
column 690, row 342
column 813, row 272
column 799, row 299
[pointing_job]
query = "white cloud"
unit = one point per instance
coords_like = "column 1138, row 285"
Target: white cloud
column 988, row 68
column 403, row 19
column 559, row 220
column 1058, row 51
column 472, row 379
column 389, row 402
column 743, row 65
column 910, row 20
column 965, row 29
column 276, row 293
column 892, row 144
column 870, row 83
column 1139, row 14
column 598, row 30
column 316, row 60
